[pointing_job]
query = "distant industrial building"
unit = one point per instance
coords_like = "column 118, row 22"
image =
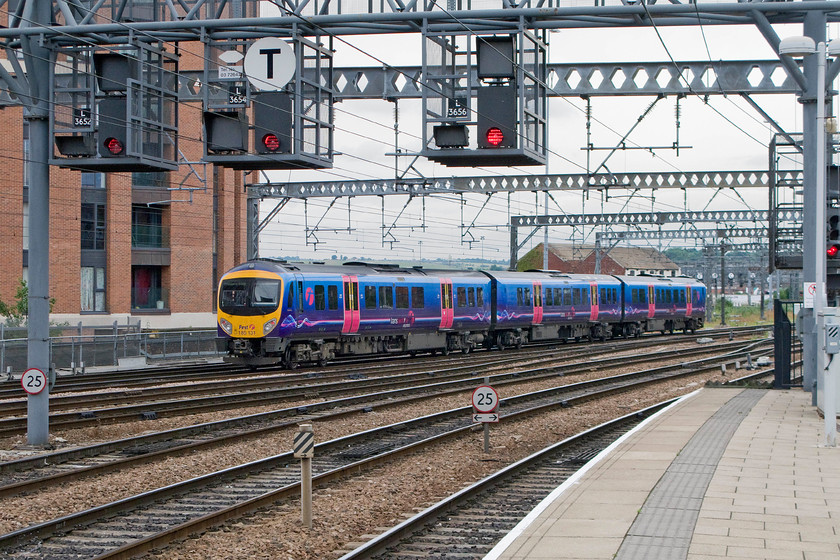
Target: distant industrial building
column 580, row 259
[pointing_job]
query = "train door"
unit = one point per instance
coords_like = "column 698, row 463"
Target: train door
column 593, row 302
column 651, row 302
column 538, row 303
column 351, row 304
column 688, row 301
column 296, row 304
column 447, row 313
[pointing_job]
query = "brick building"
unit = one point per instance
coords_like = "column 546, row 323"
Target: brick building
column 580, row 259
column 127, row 246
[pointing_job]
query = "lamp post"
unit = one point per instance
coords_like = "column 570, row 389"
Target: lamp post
column 801, row 47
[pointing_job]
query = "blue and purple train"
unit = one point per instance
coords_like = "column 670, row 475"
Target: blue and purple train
column 273, row 311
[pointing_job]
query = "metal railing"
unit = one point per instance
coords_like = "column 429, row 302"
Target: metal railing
column 787, row 353
column 149, row 298
column 78, row 348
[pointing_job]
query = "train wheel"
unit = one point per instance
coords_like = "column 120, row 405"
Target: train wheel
column 445, row 350
column 466, row 349
column 288, row 361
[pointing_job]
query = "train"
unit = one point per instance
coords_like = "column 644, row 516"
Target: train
column 278, row 312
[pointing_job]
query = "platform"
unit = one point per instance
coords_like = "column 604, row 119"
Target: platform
column 722, row 473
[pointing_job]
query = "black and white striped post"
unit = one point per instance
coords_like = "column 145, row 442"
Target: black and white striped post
column 304, row 449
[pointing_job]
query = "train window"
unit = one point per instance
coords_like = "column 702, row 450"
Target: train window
column 418, row 298
column 603, row 295
column 519, row 298
column 370, row 297
column 291, row 301
column 332, row 296
column 265, row 293
column 402, row 297
column 300, row 295
column 549, row 298
column 479, row 297
column 667, row 296
column 471, row 297
column 567, row 296
column 386, row 297
column 615, row 295
column 526, row 296
column 682, row 296
column 576, row 296
column 234, row 294
column 320, row 299
column 461, row 297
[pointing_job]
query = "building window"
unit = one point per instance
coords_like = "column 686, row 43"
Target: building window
column 147, row 227
column 93, row 180
column 93, row 226
column 155, row 179
column 146, row 288
column 92, row 288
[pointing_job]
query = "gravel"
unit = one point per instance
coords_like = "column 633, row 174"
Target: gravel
column 344, row 512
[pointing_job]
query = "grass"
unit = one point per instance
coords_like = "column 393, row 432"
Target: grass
column 743, row 316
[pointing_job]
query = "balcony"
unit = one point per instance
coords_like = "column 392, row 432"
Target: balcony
column 150, row 245
column 149, row 236
column 153, row 299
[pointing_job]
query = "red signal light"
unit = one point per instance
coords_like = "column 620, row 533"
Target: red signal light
column 832, row 251
column 114, row 146
column 271, row 142
column 495, row 136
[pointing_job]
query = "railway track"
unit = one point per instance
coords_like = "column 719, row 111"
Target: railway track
column 128, row 527
column 469, row 523
column 219, row 376
column 80, row 411
column 56, row 468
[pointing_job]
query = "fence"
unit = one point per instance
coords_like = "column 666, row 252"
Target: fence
column 84, row 347
column 787, row 352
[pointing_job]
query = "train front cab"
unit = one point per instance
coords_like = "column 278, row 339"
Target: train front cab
column 249, row 310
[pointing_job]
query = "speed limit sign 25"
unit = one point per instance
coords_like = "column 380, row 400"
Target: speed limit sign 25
column 33, row 381
column 485, row 399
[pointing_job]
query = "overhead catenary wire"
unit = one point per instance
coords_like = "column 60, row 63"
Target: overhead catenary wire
column 366, row 160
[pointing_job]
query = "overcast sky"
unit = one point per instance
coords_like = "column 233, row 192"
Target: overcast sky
column 365, row 133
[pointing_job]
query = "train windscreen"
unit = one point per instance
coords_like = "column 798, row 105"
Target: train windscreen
column 249, row 296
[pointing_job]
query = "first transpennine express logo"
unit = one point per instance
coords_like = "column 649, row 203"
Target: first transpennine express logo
column 310, row 296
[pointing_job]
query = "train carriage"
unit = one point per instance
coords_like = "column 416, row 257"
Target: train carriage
column 654, row 303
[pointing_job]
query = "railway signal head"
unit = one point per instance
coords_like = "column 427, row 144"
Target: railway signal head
column 832, row 234
column 273, row 122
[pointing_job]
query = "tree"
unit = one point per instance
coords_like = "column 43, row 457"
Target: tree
column 17, row 312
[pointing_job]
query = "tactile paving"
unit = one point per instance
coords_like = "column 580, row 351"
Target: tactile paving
column 664, row 526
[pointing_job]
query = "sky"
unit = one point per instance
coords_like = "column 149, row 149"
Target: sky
column 726, row 134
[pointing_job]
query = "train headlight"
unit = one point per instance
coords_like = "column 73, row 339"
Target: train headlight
column 226, row 326
column 268, row 327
